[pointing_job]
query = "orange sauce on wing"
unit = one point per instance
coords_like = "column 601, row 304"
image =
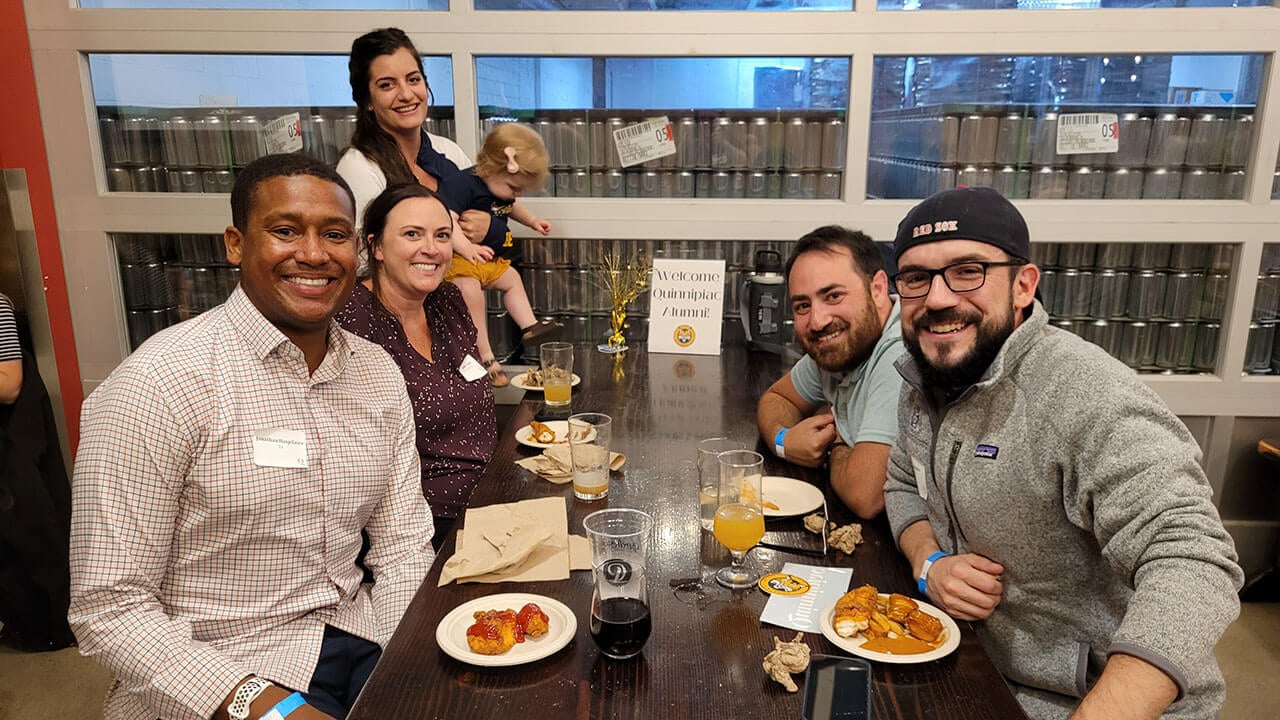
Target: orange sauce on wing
column 897, row 646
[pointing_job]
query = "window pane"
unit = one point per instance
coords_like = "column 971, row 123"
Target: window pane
column 684, row 5
column 1262, row 351
column 743, row 127
column 1157, row 307
column 271, row 4
column 1184, row 123
column 185, row 123
column 1058, row 4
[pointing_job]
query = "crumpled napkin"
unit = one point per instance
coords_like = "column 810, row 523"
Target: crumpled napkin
column 555, row 466
column 524, row 541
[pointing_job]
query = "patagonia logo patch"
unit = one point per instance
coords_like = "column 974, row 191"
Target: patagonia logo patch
column 987, row 451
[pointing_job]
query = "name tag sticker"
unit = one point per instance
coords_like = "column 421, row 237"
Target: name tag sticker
column 471, row 369
column 986, row 451
column 922, row 485
column 278, row 447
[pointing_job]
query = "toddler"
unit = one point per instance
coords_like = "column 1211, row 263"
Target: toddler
column 512, row 161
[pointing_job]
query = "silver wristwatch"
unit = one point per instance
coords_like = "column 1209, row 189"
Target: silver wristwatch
column 248, row 691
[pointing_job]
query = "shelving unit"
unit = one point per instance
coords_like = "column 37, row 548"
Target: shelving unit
column 1221, row 407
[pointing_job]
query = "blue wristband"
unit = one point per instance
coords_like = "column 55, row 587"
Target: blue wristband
column 924, row 571
column 284, row 707
column 777, row 443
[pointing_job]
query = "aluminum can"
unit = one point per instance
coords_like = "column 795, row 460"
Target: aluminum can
column 1079, row 302
column 1266, row 300
column 809, row 184
column 793, row 152
column 829, row 185
column 119, row 179
column 1233, row 185
column 834, row 142
column 217, row 181
column 1222, row 257
column 944, row 180
column 1065, row 289
column 1135, row 135
column 145, row 285
column 1012, row 147
column 1048, row 183
column 580, row 183
column 1151, row 256
column 248, row 143
column 1086, row 184
column 143, row 324
column 1206, row 141
column 614, row 184
column 722, row 147
column 972, row 147
column 1182, row 296
column 344, row 128
column 1205, row 355
column 1044, row 141
column 1176, row 348
column 1075, row 327
column 550, row 135
column 721, row 184
column 1110, row 294
column 1113, row 256
column 948, row 140
column 562, row 182
column 738, row 145
column 686, row 136
column 1138, row 344
column 702, row 184
column 1239, row 141
column 597, row 183
column 203, row 249
column 684, row 184
column 1076, row 255
column 1048, row 287
column 598, row 142
column 812, row 145
column 1104, row 334
column 114, row 150
column 1169, row 137
column 1146, row 294
column 142, row 146
column 1188, row 256
column 318, row 140
column 666, row 183
column 793, row 186
column 1257, row 351
column 1201, row 184
column 580, row 133
column 702, row 145
column 185, row 181
column 1044, row 255
column 757, row 185
column 1012, row 182
column 1162, row 184
column 178, row 143
column 775, row 185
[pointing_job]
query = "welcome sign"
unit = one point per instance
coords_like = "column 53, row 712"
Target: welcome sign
column 686, row 306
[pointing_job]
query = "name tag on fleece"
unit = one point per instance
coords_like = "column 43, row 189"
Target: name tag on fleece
column 471, row 369
column 278, row 447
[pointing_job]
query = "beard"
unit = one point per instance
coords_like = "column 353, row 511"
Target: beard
column 968, row 368
column 857, row 345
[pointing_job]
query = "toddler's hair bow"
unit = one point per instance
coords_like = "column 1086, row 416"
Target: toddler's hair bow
column 513, row 167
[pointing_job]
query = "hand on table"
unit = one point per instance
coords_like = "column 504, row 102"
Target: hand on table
column 966, row 587
column 807, row 441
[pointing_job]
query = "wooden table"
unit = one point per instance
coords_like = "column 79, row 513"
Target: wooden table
column 703, row 658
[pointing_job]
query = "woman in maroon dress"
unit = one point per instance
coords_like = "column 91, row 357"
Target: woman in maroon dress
column 406, row 306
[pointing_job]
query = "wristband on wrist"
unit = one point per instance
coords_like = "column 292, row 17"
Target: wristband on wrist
column 921, row 583
column 248, row 691
column 284, row 707
column 777, row 443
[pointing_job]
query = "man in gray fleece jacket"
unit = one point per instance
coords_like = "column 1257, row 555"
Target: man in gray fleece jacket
column 1041, row 490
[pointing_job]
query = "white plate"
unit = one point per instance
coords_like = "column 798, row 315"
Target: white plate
column 524, row 435
column 451, row 633
column 793, row 497
column 518, row 381
column 853, row 645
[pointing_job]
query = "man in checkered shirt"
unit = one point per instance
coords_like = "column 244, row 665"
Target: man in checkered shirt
column 227, row 471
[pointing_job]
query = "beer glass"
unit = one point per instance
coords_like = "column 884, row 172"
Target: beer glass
column 739, row 520
column 557, row 373
column 620, row 620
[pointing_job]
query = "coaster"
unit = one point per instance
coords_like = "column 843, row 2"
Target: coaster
column 784, row 584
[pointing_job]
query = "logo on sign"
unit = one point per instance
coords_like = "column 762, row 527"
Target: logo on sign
column 987, row 451
column 684, row 335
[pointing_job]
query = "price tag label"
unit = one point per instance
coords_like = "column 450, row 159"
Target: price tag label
column 1088, row 133
column 284, row 134
column 644, row 141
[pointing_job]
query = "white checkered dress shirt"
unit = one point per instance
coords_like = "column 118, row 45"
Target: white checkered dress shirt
column 191, row 566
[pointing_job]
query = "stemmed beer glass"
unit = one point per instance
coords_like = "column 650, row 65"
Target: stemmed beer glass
column 739, row 521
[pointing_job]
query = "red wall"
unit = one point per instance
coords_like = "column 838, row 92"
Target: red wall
column 22, row 146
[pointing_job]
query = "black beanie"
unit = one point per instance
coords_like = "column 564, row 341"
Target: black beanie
column 971, row 213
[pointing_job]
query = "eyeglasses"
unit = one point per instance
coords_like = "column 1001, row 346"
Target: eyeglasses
column 959, row 277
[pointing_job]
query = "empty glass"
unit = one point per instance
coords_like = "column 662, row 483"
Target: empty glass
column 708, row 468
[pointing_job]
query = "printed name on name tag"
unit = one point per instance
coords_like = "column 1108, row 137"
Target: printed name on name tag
column 278, row 447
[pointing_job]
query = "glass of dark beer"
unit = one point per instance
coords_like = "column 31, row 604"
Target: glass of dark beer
column 620, row 621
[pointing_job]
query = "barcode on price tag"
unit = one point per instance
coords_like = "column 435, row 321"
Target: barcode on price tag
column 1088, row 133
column 644, row 141
column 284, row 134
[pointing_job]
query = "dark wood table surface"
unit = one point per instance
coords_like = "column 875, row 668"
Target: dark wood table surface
column 703, row 659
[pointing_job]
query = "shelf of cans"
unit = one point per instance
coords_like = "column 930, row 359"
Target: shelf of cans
column 719, row 154
column 1262, row 351
column 193, row 150
column 1166, row 152
column 169, row 278
column 1157, row 307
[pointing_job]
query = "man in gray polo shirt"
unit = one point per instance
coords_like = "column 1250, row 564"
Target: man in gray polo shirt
column 839, row 403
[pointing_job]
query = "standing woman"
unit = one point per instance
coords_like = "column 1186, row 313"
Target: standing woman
column 389, row 146
column 406, row 306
